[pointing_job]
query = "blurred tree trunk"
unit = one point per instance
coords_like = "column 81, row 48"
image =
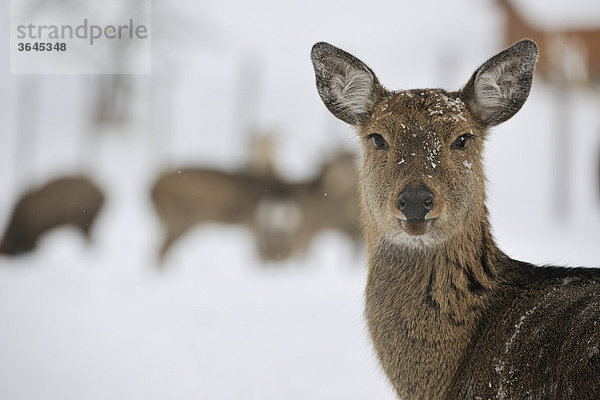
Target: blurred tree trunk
column 562, row 152
column 160, row 114
column 27, row 124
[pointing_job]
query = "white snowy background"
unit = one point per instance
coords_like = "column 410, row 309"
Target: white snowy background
column 99, row 321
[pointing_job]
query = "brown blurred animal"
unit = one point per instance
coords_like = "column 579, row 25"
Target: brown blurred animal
column 188, row 197
column 71, row 201
column 284, row 217
column 450, row 315
column 332, row 202
column 572, row 55
column 286, row 226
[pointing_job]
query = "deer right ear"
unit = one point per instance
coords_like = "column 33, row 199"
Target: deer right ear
column 349, row 89
column 499, row 88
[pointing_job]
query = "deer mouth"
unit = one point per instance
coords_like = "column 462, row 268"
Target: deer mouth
column 416, row 227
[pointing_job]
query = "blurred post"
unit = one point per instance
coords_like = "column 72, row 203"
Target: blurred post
column 160, row 112
column 27, row 123
column 562, row 152
column 248, row 94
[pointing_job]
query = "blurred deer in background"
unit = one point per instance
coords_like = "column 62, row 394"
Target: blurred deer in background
column 72, row 201
column 286, row 226
column 450, row 315
column 188, row 197
column 283, row 216
column 569, row 59
column 566, row 54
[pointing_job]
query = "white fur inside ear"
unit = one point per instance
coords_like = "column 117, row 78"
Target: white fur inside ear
column 494, row 87
column 352, row 90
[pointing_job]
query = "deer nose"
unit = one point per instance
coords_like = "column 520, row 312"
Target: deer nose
column 415, row 202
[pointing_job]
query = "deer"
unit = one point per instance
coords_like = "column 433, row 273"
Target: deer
column 327, row 201
column 188, row 197
column 284, row 217
column 570, row 54
column 64, row 201
column 449, row 314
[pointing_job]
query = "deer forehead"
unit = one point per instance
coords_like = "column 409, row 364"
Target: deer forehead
column 421, row 118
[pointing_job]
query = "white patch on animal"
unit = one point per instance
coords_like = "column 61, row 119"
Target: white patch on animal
column 567, row 280
column 510, row 342
column 518, row 326
column 353, row 90
column 499, row 368
column 401, row 162
column 448, row 108
column 432, row 148
column 488, row 92
column 467, row 164
column 458, row 117
column 279, row 217
column 399, row 236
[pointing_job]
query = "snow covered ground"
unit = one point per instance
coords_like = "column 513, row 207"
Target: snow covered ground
column 81, row 323
column 101, row 321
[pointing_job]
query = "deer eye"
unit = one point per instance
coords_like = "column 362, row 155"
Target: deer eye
column 378, row 141
column 461, row 142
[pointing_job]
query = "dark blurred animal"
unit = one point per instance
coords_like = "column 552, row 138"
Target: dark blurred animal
column 283, row 216
column 71, row 201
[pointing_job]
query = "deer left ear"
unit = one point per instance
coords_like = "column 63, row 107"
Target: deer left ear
column 499, row 88
column 346, row 85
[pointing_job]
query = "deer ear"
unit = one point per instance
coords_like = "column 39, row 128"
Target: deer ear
column 346, row 85
column 499, row 88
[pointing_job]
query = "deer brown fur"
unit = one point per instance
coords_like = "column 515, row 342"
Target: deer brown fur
column 450, row 315
column 64, row 201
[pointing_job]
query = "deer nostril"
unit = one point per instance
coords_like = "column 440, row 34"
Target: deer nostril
column 428, row 203
column 401, row 203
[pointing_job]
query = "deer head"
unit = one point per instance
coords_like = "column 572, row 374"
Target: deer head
column 422, row 177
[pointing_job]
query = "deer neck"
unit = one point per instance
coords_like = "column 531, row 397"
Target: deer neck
column 424, row 306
